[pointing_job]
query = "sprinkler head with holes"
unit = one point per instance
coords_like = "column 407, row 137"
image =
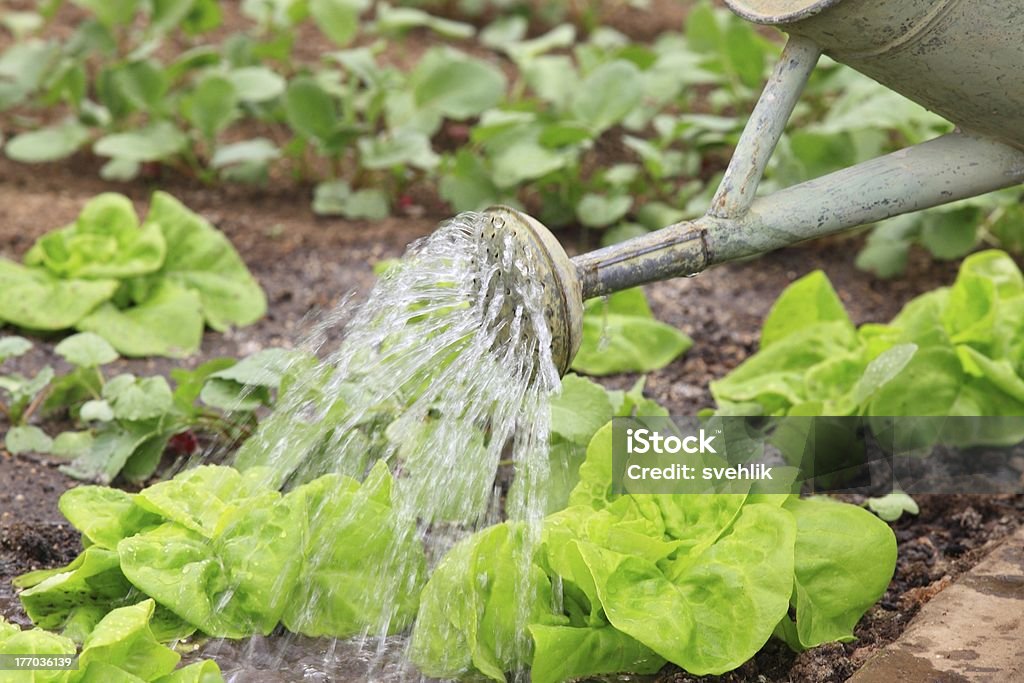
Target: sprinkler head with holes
column 563, row 296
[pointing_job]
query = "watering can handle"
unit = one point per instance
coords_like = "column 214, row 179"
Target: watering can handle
column 738, row 224
column 764, row 128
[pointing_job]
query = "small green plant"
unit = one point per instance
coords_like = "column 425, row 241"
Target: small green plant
column 947, row 233
column 365, row 130
column 620, row 334
column 23, row 394
column 847, row 119
column 891, row 507
column 955, row 351
column 126, row 423
column 148, row 289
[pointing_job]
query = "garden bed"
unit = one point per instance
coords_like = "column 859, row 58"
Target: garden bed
column 307, row 264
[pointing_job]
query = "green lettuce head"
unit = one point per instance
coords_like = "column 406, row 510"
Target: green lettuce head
column 105, row 242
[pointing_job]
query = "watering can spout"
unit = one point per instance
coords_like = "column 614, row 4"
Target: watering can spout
column 920, row 48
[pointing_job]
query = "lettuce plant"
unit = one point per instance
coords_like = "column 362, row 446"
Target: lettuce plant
column 148, row 289
column 223, row 553
column 617, row 583
column 955, row 351
column 621, row 334
column 699, row 580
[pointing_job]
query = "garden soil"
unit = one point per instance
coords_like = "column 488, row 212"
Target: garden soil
column 307, row 264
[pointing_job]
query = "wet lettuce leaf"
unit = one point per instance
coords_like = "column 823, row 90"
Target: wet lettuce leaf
column 121, row 646
column 123, row 639
column 481, row 632
column 223, row 552
column 76, row 597
column 37, row 641
column 702, row 581
column 564, row 653
column 362, row 564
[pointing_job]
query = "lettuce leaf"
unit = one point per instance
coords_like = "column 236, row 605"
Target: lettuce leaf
column 37, row 300
column 222, row 552
column 200, row 258
column 168, row 323
column 357, row 549
column 481, row 632
column 75, row 598
column 844, row 559
column 121, row 648
column 14, row 641
column 808, row 301
column 620, row 334
column 956, row 351
column 564, row 653
column 123, row 640
column 105, row 241
column 105, row 515
column 720, row 611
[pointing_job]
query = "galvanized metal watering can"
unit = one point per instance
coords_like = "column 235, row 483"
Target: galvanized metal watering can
column 963, row 59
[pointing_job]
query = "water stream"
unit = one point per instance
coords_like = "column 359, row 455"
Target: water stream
column 443, row 372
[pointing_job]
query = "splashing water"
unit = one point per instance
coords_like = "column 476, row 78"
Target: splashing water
column 444, row 373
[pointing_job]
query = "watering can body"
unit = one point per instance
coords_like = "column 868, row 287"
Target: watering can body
column 962, row 59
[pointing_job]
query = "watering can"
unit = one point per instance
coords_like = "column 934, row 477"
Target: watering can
column 963, row 59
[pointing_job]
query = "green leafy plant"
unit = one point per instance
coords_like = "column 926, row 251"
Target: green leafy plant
column 533, row 133
column 126, row 423
column 22, row 392
column 121, row 646
column 955, row 351
column 701, row 581
column 848, row 119
column 891, row 507
column 376, row 126
column 947, row 233
column 620, row 334
column 226, row 554
column 577, row 413
column 147, row 289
